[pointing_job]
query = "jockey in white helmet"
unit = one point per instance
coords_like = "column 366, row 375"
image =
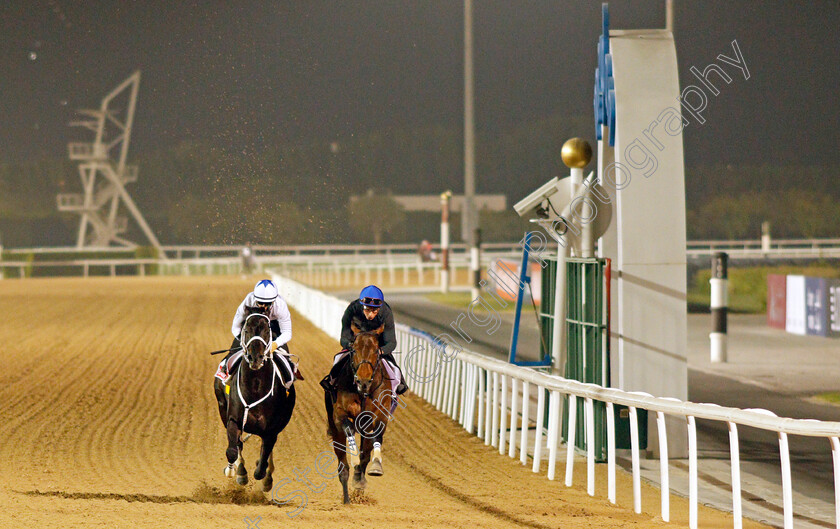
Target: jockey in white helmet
column 268, row 301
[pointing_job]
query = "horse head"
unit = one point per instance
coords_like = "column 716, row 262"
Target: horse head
column 365, row 356
column 255, row 337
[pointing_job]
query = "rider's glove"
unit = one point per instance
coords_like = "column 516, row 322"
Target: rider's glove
column 272, row 347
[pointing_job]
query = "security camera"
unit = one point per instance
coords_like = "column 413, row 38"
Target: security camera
column 538, row 203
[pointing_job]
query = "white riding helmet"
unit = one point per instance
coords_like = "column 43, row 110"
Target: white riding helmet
column 265, row 291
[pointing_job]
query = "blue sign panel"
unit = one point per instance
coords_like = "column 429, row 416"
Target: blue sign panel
column 816, row 306
column 833, row 311
column 604, row 102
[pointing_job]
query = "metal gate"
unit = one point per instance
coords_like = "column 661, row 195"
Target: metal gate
column 587, row 342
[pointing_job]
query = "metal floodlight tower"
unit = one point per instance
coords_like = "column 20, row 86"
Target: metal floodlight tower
column 104, row 172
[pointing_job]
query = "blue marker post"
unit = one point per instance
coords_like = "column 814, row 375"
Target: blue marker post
column 524, row 279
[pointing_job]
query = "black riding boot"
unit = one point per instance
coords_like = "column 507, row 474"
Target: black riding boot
column 328, row 382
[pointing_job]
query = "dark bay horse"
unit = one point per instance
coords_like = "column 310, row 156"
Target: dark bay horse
column 257, row 402
column 362, row 404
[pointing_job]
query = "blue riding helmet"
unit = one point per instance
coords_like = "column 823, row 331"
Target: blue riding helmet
column 371, row 296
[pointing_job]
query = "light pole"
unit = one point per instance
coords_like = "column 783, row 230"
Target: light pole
column 469, row 218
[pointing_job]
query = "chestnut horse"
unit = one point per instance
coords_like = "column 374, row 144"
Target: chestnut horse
column 362, row 405
column 257, row 402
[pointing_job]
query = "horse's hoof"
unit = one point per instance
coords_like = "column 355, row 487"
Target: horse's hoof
column 358, row 479
column 259, row 475
column 241, row 480
column 375, row 467
column 267, row 485
column 230, row 471
column 359, row 483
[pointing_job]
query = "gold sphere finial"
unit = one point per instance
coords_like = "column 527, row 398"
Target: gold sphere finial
column 576, row 153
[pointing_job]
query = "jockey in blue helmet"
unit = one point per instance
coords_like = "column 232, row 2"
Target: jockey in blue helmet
column 368, row 313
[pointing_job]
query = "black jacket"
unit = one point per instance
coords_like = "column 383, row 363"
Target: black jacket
column 355, row 314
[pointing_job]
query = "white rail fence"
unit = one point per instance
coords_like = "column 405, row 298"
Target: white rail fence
column 474, row 391
column 318, row 270
column 321, row 261
column 196, row 251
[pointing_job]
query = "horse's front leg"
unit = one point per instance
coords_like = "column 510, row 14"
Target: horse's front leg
column 340, row 447
column 233, row 449
column 268, row 482
column 359, row 478
column 265, row 453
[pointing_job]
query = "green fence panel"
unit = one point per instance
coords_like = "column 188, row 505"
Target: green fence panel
column 587, row 358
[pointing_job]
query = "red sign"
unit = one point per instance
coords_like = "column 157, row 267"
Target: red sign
column 776, row 300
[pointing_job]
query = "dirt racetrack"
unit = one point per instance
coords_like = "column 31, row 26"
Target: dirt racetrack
column 109, row 420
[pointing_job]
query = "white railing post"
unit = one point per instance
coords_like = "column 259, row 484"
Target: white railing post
column 692, row 472
column 538, row 433
column 503, row 416
column 452, row 405
column 446, row 388
column 735, row 463
column 611, row 452
column 570, row 439
column 664, row 484
column 553, row 420
column 494, row 440
column 514, row 393
column 787, row 487
column 488, row 409
column 634, row 458
column 469, row 408
column 523, row 439
column 480, row 405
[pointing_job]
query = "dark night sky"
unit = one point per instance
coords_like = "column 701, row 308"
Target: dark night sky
column 245, row 74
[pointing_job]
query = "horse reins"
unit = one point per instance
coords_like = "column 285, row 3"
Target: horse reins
column 266, row 357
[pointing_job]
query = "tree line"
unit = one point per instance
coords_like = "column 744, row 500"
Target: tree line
column 196, row 192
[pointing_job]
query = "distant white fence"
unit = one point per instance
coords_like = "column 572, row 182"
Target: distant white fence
column 115, row 267
column 325, row 262
column 405, row 250
column 481, row 393
column 319, row 270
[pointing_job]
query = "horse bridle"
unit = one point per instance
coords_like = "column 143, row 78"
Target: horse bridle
column 247, row 407
column 356, row 367
column 255, row 337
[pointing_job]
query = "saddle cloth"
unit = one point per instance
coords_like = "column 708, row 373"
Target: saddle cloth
column 284, row 373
